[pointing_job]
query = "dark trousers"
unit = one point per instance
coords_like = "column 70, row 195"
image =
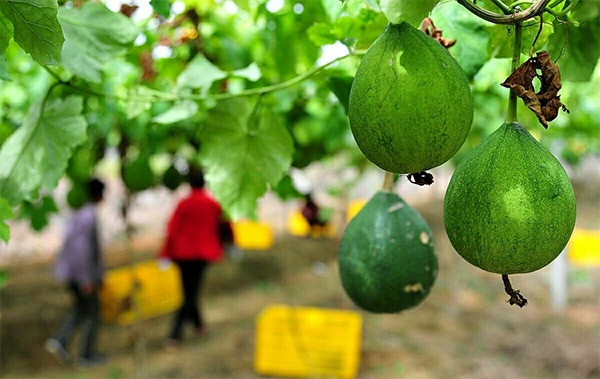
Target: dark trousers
column 86, row 312
column 191, row 280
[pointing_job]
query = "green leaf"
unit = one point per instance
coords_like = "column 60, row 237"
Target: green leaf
column 162, row 7
column 321, row 34
column 245, row 149
column 6, row 213
column 6, row 33
column 36, row 28
column 332, row 8
column 94, row 36
column 286, row 189
column 346, row 27
column 252, row 72
column 502, row 40
column 373, row 29
column 410, row 11
column 180, row 111
column 340, row 86
column 200, row 74
column 38, row 212
column 469, row 31
column 581, row 49
column 4, row 73
column 35, row 156
column 586, row 10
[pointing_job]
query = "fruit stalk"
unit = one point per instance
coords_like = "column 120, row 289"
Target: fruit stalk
column 511, row 113
column 388, row 182
column 515, row 295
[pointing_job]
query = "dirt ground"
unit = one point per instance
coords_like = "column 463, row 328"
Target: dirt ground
column 464, row 329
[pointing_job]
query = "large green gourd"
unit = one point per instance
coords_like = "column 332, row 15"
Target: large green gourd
column 172, row 178
column 78, row 195
column 510, row 207
column 138, row 175
column 410, row 105
column 387, row 256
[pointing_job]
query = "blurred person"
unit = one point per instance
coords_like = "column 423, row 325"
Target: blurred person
column 195, row 237
column 79, row 266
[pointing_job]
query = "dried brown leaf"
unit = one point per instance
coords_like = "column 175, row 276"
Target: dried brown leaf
column 127, row 9
column 429, row 28
column 546, row 102
column 147, row 65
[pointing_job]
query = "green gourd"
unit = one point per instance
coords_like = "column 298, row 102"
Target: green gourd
column 138, row 175
column 510, row 207
column 410, row 105
column 387, row 256
column 172, row 178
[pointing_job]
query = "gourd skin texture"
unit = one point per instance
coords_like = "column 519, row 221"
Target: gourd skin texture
column 387, row 256
column 510, row 207
column 410, row 105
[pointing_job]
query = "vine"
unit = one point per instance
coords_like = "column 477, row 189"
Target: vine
column 511, row 112
column 163, row 96
column 513, row 18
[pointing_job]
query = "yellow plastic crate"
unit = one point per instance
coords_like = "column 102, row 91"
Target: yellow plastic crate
column 299, row 227
column 354, row 207
column 584, row 247
column 154, row 291
column 251, row 235
column 307, row 342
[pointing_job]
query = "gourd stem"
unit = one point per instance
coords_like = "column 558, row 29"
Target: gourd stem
column 515, row 295
column 511, row 113
column 388, row 182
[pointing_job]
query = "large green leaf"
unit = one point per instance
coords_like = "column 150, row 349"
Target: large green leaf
column 6, row 213
column 200, row 74
column 36, row 155
column 245, row 149
column 93, row 36
column 411, row 11
column 580, row 48
column 586, row 10
column 178, row 112
column 36, row 28
column 469, row 31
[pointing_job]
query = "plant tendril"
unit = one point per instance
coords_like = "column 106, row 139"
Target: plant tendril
column 537, row 35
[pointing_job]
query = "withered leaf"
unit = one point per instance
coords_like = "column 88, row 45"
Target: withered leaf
column 127, row 9
column 429, row 28
column 546, row 102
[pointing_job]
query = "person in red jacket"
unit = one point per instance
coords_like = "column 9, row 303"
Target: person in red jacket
column 194, row 240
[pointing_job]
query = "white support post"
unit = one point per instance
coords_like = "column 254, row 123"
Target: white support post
column 558, row 282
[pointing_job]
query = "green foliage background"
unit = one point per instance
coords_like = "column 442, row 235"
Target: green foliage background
column 79, row 78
